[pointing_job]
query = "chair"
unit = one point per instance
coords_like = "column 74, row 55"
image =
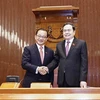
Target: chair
column 12, row 81
column 10, row 85
column 12, row 78
column 40, row 85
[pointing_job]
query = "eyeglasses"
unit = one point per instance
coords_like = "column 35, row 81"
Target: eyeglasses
column 68, row 30
column 39, row 36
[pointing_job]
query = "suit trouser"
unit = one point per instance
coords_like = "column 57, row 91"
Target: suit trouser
column 65, row 84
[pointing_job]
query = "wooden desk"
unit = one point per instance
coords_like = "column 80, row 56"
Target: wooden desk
column 50, row 94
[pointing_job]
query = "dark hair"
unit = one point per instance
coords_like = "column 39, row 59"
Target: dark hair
column 43, row 30
column 69, row 23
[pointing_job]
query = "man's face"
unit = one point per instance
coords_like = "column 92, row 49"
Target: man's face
column 68, row 32
column 41, row 37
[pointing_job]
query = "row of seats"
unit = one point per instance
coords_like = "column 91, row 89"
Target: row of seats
column 13, row 81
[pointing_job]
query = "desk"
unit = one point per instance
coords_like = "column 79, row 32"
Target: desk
column 50, row 94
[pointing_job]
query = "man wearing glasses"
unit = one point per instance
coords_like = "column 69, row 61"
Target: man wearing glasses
column 35, row 58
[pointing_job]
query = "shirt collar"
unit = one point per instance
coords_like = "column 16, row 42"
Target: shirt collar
column 39, row 46
column 71, row 40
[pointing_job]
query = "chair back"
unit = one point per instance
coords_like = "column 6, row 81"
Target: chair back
column 12, row 78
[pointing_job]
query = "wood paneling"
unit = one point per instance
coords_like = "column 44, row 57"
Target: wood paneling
column 17, row 26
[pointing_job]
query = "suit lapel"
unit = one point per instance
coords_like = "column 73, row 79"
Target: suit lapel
column 35, row 49
column 73, row 45
column 62, row 48
column 45, row 54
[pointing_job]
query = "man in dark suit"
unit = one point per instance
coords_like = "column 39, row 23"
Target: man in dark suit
column 35, row 66
column 73, row 62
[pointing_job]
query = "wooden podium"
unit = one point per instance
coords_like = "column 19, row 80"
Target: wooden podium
column 52, row 18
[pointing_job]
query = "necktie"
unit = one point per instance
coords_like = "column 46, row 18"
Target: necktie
column 67, row 47
column 41, row 53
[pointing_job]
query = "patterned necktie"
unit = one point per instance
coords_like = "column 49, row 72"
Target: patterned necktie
column 41, row 53
column 67, row 47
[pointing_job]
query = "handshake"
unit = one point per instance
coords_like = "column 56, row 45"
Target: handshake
column 43, row 70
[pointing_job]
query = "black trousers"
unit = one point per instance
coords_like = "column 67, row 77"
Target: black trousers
column 65, row 84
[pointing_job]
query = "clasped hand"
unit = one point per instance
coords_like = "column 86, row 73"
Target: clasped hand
column 43, row 70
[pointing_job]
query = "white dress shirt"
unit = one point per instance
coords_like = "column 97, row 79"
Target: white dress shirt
column 43, row 55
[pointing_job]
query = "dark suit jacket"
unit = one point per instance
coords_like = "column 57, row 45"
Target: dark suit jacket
column 31, row 60
column 75, row 65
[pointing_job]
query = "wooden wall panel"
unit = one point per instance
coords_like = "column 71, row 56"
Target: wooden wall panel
column 89, row 23
column 17, row 24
